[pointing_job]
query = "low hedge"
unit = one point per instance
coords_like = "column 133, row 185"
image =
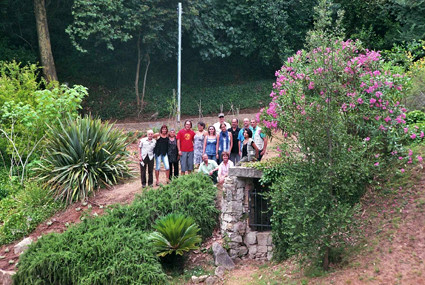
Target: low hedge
column 193, row 195
column 114, row 249
column 91, row 253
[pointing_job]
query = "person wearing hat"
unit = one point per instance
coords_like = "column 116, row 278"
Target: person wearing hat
column 221, row 121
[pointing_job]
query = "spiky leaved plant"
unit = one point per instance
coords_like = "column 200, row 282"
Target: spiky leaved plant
column 82, row 155
column 175, row 234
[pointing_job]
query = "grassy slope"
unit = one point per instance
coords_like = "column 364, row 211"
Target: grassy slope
column 392, row 251
column 120, row 103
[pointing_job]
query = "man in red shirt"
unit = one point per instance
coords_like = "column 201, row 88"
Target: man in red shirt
column 185, row 146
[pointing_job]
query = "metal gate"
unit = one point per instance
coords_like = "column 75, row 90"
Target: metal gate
column 259, row 210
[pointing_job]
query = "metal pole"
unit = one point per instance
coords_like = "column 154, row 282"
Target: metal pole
column 179, row 68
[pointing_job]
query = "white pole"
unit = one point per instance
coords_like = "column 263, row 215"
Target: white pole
column 179, row 67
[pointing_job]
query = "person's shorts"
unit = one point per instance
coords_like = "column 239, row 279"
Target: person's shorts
column 186, row 161
column 164, row 159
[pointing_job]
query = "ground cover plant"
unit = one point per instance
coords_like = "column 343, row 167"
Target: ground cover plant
column 23, row 209
column 92, row 252
column 342, row 103
column 192, row 195
column 115, row 248
column 81, row 156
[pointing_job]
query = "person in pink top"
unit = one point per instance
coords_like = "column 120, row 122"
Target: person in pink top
column 223, row 168
column 185, row 146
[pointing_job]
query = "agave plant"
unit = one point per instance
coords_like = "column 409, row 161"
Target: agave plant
column 175, row 234
column 82, row 155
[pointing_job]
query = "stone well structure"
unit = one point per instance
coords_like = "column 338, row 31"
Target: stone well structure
column 243, row 242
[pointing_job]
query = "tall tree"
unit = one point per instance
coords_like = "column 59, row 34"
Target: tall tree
column 46, row 55
column 267, row 30
column 150, row 24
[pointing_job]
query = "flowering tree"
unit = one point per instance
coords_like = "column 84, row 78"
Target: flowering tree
column 340, row 104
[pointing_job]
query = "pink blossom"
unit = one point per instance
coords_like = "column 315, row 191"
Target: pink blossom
column 372, row 100
column 367, row 139
column 413, row 136
column 400, row 158
column 422, row 134
column 406, row 130
column 377, row 155
column 360, row 101
column 311, row 85
column 378, row 94
column 387, row 119
column 376, row 164
column 410, row 152
column 419, row 158
column 402, row 170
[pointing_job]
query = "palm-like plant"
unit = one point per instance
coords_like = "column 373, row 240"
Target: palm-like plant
column 175, row 234
column 82, row 155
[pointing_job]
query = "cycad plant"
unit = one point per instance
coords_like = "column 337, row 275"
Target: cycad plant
column 82, row 155
column 175, row 234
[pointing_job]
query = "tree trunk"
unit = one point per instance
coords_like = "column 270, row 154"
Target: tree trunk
column 148, row 62
column 136, row 81
column 326, row 259
column 46, row 56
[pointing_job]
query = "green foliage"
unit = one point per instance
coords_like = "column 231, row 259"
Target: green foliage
column 192, row 195
column 175, row 234
column 23, row 209
column 415, row 117
column 82, row 155
column 92, row 252
column 252, row 94
column 25, row 110
column 342, row 105
column 267, row 30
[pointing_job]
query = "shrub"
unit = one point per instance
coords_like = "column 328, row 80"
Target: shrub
column 343, row 105
column 92, row 252
column 175, row 234
column 26, row 108
column 192, row 195
column 82, row 155
column 23, row 210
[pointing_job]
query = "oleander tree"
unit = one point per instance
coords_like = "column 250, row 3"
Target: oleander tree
column 338, row 106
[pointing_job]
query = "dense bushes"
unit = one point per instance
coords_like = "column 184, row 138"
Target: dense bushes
column 114, row 248
column 193, row 195
column 82, row 155
column 93, row 252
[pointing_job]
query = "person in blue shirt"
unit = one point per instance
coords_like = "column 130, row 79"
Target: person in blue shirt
column 246, row 125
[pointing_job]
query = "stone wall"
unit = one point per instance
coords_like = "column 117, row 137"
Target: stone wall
column 241, row 240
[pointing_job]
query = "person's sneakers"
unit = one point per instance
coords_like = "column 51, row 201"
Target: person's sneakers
column 143, row 186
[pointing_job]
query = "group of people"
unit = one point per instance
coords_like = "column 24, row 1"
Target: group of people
column 212, row 151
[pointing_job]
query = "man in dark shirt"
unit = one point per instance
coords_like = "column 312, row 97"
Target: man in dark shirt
column 234, row 153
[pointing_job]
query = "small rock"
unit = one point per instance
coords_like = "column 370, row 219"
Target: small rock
column 6, row 249
column 49, row 223
column 84, row 203
column 11, row 261
column 89, row 206
column 211, row 280
column 101, row 207
column 22, row 246
column 195, row 280
column 221, row 257
column 95, row 214
column 66, row 224
column 219, row 271
column 78, row 209
column 202, row 278
column 2, row 257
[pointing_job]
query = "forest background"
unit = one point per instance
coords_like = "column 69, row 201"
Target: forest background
column 231, row 48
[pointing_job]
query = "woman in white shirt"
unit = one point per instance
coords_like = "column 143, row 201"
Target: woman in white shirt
column 223, row 168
